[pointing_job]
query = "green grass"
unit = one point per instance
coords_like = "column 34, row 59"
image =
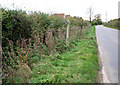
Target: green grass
column 113, row 27
column 79, row 65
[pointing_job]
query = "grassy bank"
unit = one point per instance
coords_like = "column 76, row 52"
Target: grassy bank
column 79, row 65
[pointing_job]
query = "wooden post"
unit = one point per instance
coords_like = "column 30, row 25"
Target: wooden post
column 67, row 36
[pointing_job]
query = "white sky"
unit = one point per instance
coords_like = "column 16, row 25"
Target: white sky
column 72, row 7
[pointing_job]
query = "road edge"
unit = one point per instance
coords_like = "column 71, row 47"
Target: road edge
column 102, row 77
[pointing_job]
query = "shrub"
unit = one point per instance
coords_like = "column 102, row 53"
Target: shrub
column 15, row 26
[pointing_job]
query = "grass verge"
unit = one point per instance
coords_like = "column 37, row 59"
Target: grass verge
column 79, row 65
column 113, row 27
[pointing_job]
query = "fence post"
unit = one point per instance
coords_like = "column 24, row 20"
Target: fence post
column 67, row 36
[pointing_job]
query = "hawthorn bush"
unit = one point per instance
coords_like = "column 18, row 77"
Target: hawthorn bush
column 15, row 25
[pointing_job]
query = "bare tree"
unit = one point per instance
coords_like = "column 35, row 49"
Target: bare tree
column 90, row 12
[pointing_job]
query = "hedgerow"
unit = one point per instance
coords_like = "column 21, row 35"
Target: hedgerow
column 28, row 37
column 113, row 23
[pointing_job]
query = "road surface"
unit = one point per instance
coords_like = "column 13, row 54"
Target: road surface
column 107, row 39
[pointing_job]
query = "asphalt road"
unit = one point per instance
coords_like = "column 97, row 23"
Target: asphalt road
column 107, row 39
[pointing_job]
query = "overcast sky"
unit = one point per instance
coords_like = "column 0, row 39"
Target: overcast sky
column 72, row 7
